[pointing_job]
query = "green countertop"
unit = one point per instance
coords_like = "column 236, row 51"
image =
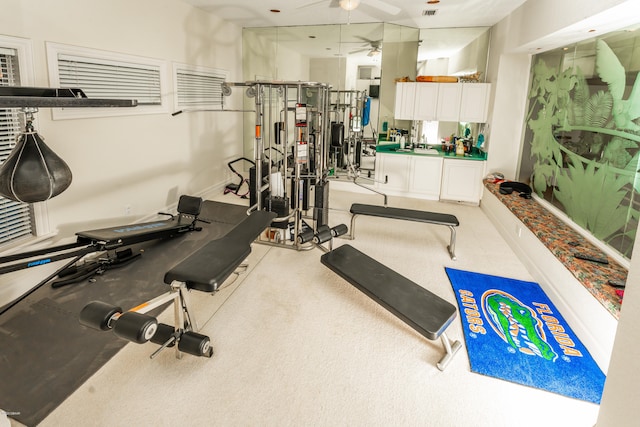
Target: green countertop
column 391, row 148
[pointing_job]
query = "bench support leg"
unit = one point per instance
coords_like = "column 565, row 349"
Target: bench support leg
column 451, row 348
column 452, row 243
column 352, row 229
column 183, row 317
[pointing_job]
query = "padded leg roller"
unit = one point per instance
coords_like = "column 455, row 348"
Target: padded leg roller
column 339, row 230
column 305, row 236
column 98, row 315
column 323, row 235
column 135, row 327
column 195, row 344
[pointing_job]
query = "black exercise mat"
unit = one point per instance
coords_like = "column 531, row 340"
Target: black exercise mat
column 45, row 355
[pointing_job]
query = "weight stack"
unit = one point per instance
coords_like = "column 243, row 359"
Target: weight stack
column 280, row 206
column 304, row 187
column 252, row 184
column 321, row 206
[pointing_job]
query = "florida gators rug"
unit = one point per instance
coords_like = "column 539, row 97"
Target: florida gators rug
column 514, row 332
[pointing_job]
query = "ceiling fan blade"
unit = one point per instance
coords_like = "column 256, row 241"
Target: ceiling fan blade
column 364, row 39
column 385, row 7
column 312, row 4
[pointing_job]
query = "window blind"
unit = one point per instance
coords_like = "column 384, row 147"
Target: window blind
column 199, row 88
column 16, row 218
column 102, row 78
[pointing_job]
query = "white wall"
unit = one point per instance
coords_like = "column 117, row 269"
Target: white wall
column 622, row 387
column 434, row 67
column 265, row 59
column 329, row 70
column 144, row 161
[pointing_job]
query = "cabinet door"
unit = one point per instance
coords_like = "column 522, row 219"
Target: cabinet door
column 475, row 102
column 393, row 167
column 425, row 175
column 449, row 96
column 462, row 180
column 405, row 99
column 426, row 102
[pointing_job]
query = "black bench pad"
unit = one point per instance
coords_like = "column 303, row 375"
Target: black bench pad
column 209, row 266
column 424, row 311
column 404, row 214
column 135, row 233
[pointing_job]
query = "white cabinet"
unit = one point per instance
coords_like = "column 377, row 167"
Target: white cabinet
column 446, row 102
column 405, row 100
column 409, row 176
column 425, row 174
column 426, row 101
column 392, row 168
column 449, row 96
column 430, row 177
column 416, row 101
column 462, row 180
column 474, row 106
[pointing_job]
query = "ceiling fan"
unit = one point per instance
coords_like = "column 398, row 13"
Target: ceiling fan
column 374, row 47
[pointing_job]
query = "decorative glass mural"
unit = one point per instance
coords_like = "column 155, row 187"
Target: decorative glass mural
column 582, row 143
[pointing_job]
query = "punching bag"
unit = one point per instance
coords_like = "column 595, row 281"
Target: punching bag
column 33, row 172
column 366, row 111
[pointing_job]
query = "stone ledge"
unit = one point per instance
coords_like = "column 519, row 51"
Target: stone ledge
column 555, row 235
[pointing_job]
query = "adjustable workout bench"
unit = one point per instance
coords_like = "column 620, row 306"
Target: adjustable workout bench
column 408, row 215
column 114, row 239
column 424, row 311
column 204, row 270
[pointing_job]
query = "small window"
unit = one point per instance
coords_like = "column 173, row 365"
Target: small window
column 198, row 87
column 16, row 219
column 107, row 75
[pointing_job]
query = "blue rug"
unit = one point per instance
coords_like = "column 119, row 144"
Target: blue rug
column 513, row 332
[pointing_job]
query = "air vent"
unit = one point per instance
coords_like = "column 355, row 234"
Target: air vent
column 429, row 12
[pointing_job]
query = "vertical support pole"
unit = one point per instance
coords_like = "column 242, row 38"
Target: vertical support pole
column 178, row 314
column 451, row 348
column 285, row 139
column 452, row 242
column 258, row 144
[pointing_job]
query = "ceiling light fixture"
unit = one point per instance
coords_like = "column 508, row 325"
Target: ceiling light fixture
column 349, row 4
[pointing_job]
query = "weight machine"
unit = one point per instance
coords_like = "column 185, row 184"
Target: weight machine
column 291, row 155
column 347, row 112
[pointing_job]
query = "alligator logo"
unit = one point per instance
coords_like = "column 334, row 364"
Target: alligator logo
column 517, row 324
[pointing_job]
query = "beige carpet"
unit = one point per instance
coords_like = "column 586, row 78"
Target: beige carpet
column 295, row 345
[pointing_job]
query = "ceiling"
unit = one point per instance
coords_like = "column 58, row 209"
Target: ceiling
column 448, row 13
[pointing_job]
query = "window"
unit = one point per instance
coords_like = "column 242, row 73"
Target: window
column 198, row 87
column 582, row 148
column 18, row 221
column 107, row 75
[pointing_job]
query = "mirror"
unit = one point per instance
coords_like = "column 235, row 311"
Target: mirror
column 452, row 52
column 360, row 57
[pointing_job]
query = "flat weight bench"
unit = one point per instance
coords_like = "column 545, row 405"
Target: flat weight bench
column 408, row 215
column 424, row 311
column 204, row 270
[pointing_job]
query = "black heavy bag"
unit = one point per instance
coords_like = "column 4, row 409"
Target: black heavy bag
column 33, row 172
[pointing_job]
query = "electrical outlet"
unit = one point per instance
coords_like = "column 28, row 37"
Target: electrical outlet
column 127, row 209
